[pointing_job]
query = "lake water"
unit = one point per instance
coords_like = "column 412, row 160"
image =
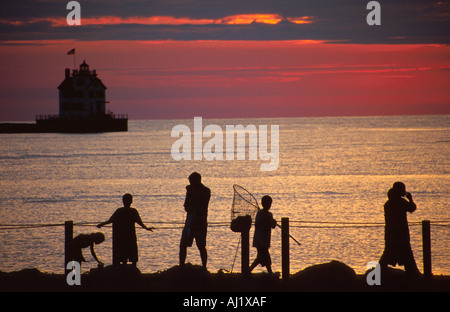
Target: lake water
column 330, row 170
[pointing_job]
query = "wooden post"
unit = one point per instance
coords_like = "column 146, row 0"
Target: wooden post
column 245, row 252
column 68, row 238
column 285, row 248
column 426, row 247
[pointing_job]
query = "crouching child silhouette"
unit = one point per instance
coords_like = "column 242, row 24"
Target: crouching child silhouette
column 264, row 223
column 124, row 232
column 86, row 240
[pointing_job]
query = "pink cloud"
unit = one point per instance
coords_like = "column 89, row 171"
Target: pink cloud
column 171, row 79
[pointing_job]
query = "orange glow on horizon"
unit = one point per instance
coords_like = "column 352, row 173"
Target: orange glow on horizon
column 152, row 20
column 240, row 19
column 300, row 20
column 245, row 19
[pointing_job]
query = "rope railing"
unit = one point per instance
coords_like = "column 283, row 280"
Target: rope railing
column 180, row 224
column 171, row 225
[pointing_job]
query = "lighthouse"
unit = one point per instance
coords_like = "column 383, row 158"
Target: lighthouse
column 82, row 94
column 82, row 101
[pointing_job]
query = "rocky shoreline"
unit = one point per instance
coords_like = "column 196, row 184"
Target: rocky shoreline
column 333, row 276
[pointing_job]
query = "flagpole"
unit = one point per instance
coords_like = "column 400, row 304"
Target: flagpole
column 74, row 57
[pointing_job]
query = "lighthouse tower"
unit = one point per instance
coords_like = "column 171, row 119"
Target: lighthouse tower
column 82, row 94
column 81, row 106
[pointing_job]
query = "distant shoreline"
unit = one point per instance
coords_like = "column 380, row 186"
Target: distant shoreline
column 54, row 124
column 253, row 117
column 11, row 127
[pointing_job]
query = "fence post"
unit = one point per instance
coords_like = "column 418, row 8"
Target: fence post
column 426, row 247
column 245, row 252
column 68, row 238
column 285, row 248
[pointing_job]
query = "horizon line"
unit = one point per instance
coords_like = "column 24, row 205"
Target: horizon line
column 263, row 117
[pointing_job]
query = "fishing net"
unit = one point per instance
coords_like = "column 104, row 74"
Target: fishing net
column 244, row 208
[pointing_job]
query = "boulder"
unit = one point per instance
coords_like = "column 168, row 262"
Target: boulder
column 333, row 275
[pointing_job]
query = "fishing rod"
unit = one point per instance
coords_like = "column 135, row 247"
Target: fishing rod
column 293, row 238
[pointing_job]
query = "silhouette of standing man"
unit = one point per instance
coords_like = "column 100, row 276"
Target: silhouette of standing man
column 397, row 241
column 196, row 205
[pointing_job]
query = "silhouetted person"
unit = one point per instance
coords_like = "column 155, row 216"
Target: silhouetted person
column 83, row 241
column 396, row 234
column 264, row 223
column 196, row 205
column 124, row 232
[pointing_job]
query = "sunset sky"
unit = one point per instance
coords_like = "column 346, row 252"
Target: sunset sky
column 220, row 59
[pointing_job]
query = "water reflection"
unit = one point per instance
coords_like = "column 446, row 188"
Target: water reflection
column 333, row 169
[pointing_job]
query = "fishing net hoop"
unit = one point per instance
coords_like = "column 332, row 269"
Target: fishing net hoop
column 246, row 216
column 242, row 194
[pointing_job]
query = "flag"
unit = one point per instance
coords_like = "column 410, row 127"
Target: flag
column 71, row 52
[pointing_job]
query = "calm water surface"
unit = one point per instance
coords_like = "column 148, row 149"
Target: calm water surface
column 331, row 169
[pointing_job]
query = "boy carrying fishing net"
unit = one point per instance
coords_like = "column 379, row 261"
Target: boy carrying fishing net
column 264, row 223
